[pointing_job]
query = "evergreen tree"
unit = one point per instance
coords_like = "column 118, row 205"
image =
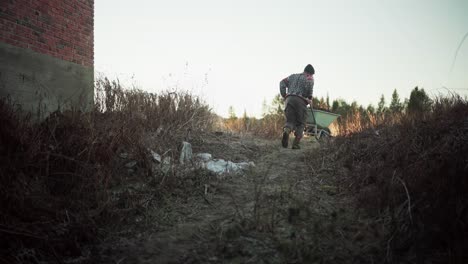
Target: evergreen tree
column 381, row 108
column 321, row 103
column 405, row 105
column 277, row 105
column 395, row 105
column 341, row 107
column 370, row 109
column 315, row 102
column 419, row 101
column 362, row 111
column 335, row 105
column 328, row 102
column 354, row 107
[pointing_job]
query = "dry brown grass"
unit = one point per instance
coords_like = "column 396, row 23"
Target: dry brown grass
column 269, row 127
column 357, row 122
column 413, row 170
column 57, row 176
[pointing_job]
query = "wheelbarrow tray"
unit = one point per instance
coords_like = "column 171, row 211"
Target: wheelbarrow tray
column 320, row 118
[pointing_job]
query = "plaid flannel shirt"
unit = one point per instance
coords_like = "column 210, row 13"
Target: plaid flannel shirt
column 297, row 84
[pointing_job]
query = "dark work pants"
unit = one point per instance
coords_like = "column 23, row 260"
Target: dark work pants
column 296, row 114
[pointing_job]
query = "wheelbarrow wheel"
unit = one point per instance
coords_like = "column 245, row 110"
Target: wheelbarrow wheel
column 323, row 134
column 326, row 129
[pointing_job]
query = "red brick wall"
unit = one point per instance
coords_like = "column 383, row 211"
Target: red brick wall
column 59, row 28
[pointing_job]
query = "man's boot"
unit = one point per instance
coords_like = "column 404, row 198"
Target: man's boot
column 296, row 143
column 285, row 139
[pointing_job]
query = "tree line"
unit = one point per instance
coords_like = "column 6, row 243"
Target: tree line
column 418, row 101
column 354, row 117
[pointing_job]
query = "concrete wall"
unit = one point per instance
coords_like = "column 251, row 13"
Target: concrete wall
column 43, row 84
column 47, row 53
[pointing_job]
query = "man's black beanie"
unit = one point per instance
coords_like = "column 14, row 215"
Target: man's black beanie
column 309, row 69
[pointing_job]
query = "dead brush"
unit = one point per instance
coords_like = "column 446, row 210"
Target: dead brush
column 50, row 178
column 356, row 122
column 269, row 127
column 57, row 175
column 416, row 170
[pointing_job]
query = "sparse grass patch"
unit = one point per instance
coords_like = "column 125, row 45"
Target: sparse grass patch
column 300, row 217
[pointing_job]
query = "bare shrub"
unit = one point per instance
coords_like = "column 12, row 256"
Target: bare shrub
column 414, row 168
column 56, row 175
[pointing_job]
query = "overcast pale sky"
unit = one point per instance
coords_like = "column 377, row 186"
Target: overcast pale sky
column 236, row 52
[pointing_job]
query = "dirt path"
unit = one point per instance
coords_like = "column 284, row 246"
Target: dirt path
column 285, row 210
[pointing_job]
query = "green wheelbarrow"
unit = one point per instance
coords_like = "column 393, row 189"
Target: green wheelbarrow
column 318, row 121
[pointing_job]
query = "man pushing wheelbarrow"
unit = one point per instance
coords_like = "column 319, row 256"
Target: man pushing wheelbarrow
column 296, row 90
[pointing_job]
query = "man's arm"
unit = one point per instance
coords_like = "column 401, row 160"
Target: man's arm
column 283, row 85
